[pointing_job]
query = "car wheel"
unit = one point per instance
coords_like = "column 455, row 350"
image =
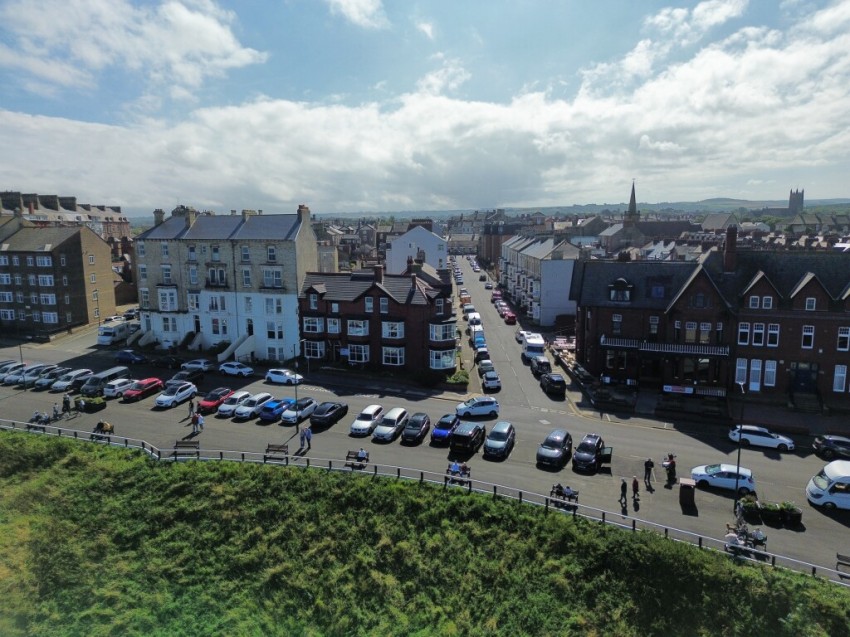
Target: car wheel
column 702, row 484
column 829, row 506
column 743, row 491
column 493, row 414
column 193, row 395
column 828, row 454
column 745, row 442
column 783, row 447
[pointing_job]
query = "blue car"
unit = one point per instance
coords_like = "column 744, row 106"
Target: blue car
column 443, row 429
column 273, row 409
column 129, row 356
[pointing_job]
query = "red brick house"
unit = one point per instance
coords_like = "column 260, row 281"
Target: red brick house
column 378, row 320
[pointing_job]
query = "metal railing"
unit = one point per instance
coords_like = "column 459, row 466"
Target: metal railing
column 547, row 503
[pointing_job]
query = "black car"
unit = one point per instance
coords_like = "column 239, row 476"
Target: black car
column 830, row 447
column 168, row 362
column 555, row 449
column 416, row 428
column 482, row 277
column 589, row 454
column 328, row 413
column 540, row 365
column 553, row 384
column 468, row 437
column 185, row 376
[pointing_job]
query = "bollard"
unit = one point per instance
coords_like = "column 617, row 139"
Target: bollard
column 666, row 530
column 221, row 456
column 547, row 505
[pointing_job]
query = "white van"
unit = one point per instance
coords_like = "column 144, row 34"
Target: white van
column 474, row 318
column 113, row 333
column 532, row 345
column 831, row 487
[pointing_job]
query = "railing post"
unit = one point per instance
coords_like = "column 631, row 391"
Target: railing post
column 308, row 463
column 445, row 482
column 666, row 532
column 375, row 473
column 603, row 517
column 700, row 541
column 547, row 504
column 421, row 477
column 126, row 443
column 75, row 434
column 469, row 486
column 398, row 473
column 330, row 465
column 634, row 524
column 494, row 491
column 520, row 497
column 57, row 429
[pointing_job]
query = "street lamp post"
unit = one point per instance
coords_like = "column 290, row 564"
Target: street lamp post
column 738, row 464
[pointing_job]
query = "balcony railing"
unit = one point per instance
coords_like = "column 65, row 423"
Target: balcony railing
column 687, row 349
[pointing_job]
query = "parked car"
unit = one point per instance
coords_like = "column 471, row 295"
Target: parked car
column 723, row 476
column 168, row 362
column 555, row 450
column 481, row 353
column 760, row 437
column 12, row 369
column 500, row 441
column 510, row 317
column 416, row 428
column 185, row 376
column 485, row 366
column 491, row 382
column 176, row 394
column 483, row 277
column 366, row 421
column 6, row 364
column 478, row 406
column 554, row 384
column 488, row 285
column 214, row 399
column 72, row 381
column 520, row 335
column 540, row 365
column 132, row 313
column 283, row 377
column 201, row 364
column 25, row 375
column 251, row 407
column 391, row 425
column 830, row 447
column 235, row 368
column 142, row 388
column 115, row 318
column 590, row 453
column 130, row 357
column 273, row 409
column 45, row 381
column 328, row 413
column 228, row 407
column 34, row 372
column 444, row 428
column 299, row 410
column 116, row 388
column 467, row 438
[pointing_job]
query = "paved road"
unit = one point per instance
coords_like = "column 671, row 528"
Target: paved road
column 780, row 476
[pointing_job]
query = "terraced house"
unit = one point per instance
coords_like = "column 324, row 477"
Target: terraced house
column 207, row 279
column 380, row 321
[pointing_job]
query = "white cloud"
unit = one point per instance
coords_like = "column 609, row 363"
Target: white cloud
column 427, row 28
column 447, row 78
column 68, row 42
column 368, row 14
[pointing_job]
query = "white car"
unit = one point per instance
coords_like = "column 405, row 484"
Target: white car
column 491, row 381
column 46, row 380
column 114, row 319
column 251, row 407
column 235, row 368
column 30, row 372
column 78, row 376
column 299, row 410
column 116, row 388
column 283, row 377
column 478, row 406
column 176, row 394
column 760, row 437
column 723, row 476
column 367, row 420
column 199, row 363
column 520, row 334
column 228, row 407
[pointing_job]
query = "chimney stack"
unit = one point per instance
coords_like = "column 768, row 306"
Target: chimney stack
column 158, row 216
column 413, row 281
column 303, row 213
column 378, row 270
column 730, row 252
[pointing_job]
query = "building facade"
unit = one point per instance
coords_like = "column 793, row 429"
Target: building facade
column 205, row 280
column 379, row 321
column 418, row 243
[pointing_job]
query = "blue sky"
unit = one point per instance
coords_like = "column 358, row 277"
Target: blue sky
column 391, row 105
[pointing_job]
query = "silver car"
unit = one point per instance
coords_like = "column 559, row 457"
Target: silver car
column 367, row 420
column 228, row 407
column 251, row 407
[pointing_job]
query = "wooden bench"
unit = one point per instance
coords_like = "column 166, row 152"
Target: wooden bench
column 186, row 449
column 461, row 478
column 842, row 565
column 351, row 459
column 279, row 453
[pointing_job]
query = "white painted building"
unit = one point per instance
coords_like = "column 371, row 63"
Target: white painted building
column 417, row 243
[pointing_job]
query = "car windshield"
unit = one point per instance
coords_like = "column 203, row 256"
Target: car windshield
column 170, row 391
column 821, row 481
column 712, row 469
column 251, row 402
column 586, row 447
column 552, row 442
column 498, row 435
column 232, row 400
column 366, row 416
column 139, row 385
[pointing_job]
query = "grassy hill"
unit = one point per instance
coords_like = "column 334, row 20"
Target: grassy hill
column 100, row 541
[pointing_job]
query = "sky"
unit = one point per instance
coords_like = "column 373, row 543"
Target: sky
column 410, row 105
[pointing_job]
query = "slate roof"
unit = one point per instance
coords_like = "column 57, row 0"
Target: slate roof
column 38, row 239
column 171, row 228
column 592, row 278
column 212, row 228
column 350, row 287
column 221, row 227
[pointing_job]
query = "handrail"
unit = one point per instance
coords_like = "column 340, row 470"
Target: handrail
column 433, row 477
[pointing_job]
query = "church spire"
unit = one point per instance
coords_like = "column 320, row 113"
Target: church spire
column 633, row 202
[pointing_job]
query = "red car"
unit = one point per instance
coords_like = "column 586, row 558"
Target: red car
column 142, row 388
column 510, row 318
column 212, row 401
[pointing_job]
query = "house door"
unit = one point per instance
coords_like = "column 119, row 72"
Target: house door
column 197, row 324
column 804, row 377
column 249, row 327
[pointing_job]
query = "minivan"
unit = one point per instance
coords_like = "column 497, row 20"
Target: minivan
column 97, row 382
column 830, row 488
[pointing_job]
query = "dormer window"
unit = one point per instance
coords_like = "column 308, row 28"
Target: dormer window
column 811, row 304
column 620, row 291
column 367, row 304
column 314, row 301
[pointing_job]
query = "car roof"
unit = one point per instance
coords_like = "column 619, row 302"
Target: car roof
column 751, row 428
column 557, row 434
column 467, row 427
column 591, row 437
column 262, row 394
column 371, row 409
column 836, row 438
column 502, row 425
column 240, row 394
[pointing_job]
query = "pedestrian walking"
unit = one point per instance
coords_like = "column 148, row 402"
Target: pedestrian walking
column 302, row 437
column 66, row 404
column 194, row 416
column 191, row 407
column 635, row 488
column 55, row 411
column 308, row 435
column 200, row 420
column 624, row 492
column 648, row 466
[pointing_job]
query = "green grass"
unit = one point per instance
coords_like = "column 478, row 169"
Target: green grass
column 99, row 541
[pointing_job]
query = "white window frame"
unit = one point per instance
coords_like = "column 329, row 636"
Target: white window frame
column 754, row 302
column 163, row 246
column 143, row 272
column 314, row 349
column 843, row 344
column 442, row 359
column 193, row 275
column 44, row 261
column 811, row 304
column 246, row 254
column 314, row 301
column 358, row 353
column 140, row 250
column 271, row 254
column 442, row 332
column 358, row 327
column 50, row 317
column 246, row 277
column 333, row 326
column 743, row 333
column 438, row 305
column 773, row 334
column 770, row 373
column 808, row 337
column 384, row 304
column 167, row 300
column 839, row 381
column 392, row 329
column 392, row 356
column 755, row 375
column 368, row 304
column 314, row 325
column 166, row 274
column 767, row 302
column 740, row 371
column 758, row 335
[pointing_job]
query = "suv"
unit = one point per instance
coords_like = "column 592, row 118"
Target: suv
column 760, row 437
column 176, row 394
column 416, row 428
column 553, row 383
column 468, row 437
column 185, row 376
column 500, row 440
column 485, row 366
column 829, row 447
column 540, row 365
column 589, row 453
column 116, row 388
column 444, row 428
column 555, row 450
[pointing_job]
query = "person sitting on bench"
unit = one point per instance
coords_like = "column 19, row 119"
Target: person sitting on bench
column 455, row 468
column 362, row 455
column 102, row 427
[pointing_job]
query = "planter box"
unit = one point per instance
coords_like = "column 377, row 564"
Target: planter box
column 792, row 518
column 771, row 515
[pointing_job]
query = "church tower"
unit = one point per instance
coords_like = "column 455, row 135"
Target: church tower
column 795, row 202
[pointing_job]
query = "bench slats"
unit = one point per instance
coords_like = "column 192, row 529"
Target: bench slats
column 187, row 448
column 842, row 565
column 276, row 452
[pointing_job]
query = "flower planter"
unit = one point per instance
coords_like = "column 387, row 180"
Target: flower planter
column 771, row 514
column 792, row 518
